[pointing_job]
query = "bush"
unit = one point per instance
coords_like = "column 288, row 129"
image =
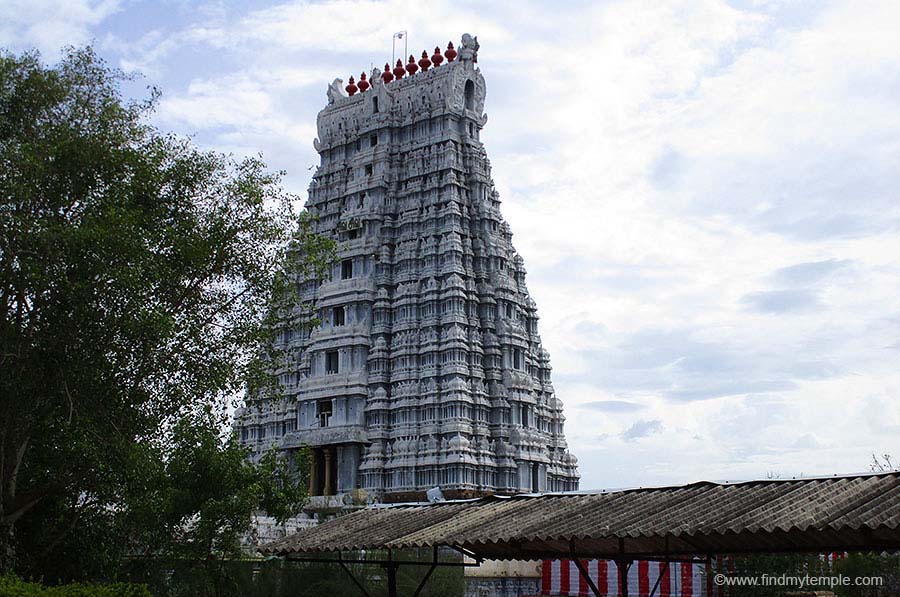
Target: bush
column 13, row 586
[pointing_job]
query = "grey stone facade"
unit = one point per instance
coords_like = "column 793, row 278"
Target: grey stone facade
column 503, row 587
column 427, row 369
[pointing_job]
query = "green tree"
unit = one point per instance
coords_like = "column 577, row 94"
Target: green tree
column 198, row 507
column 139, row 277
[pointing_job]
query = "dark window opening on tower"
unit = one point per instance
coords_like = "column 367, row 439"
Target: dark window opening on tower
column 338, row 316
column 471, row 130
column 535, row 478
column 332, row 361
column 375, row 104
column 353, row 234
column 470, row 95
column 373, row 140
column 517, row 358
column 525, row 413
column 346, row 269
column 324, row 409
column 369, row 170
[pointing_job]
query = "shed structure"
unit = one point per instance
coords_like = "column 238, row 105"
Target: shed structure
column 847, row 513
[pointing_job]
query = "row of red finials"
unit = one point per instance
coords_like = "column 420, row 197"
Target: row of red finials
column 399, row 71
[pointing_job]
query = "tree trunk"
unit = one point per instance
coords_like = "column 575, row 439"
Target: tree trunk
column 7, row 548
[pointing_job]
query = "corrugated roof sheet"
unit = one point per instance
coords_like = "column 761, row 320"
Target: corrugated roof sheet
column 823, row 514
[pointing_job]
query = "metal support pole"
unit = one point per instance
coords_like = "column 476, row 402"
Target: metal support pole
column 427, row 574
column 392, row 579
column 399, row 35
column 581, row 568
column 358, row 584
column 665, row 570
column 586, row 576
column 391, row 567
column 469, row 554
column 623, row 565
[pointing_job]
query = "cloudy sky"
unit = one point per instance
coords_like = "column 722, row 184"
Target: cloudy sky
column 704, row 192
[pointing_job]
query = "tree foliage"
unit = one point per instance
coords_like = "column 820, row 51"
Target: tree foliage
column 12, row 586
column 198, row 506
column 139, row 277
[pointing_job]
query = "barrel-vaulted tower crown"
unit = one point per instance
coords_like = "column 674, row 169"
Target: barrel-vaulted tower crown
column 427, row 369
column 454, row 87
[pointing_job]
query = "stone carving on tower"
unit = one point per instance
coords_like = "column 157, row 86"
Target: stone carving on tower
column 427, row 369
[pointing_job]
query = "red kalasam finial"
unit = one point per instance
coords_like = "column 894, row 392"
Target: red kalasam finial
column 424, row 62
column 399, row 71
column 450, row 53
column 387, row 76
column 411, row 66
column 363, row 84
column 436, row 58
column 351, row 87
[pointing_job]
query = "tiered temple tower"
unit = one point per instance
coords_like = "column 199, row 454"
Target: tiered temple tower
column 427, row 368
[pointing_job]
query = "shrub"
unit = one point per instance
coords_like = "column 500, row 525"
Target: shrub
column 13, row 586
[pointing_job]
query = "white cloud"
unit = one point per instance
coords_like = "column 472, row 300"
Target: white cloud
column 49, row 25
column 716, row 185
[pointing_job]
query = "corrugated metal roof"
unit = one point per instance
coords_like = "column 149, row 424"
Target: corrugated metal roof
column 822, row 514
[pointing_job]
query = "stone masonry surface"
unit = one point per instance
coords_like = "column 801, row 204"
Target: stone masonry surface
column 426, row 369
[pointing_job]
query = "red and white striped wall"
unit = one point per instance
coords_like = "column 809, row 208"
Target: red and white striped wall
column 830, row 558
column 681, row 579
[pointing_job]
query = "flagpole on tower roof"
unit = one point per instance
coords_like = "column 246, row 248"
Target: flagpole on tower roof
column 398, row 35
